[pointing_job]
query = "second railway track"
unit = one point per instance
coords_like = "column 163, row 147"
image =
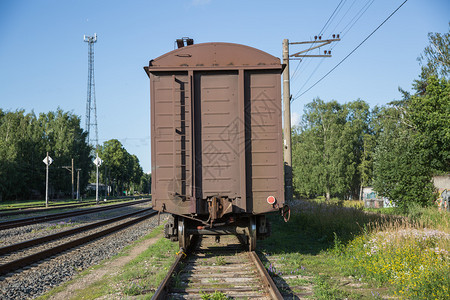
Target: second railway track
column 218, row 267
column 50, row 217
column 20, row 255
column 25, row 210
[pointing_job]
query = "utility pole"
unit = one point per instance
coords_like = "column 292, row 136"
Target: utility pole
column 78, row 183
column 72, row 180
column 70, row 169
column 287, row 123
column 287, row 100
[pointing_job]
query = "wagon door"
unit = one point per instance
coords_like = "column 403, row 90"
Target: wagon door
column 264, row 171
column 219, row 131
column 171, row 149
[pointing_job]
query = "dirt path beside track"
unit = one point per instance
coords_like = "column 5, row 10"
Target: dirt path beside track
column 109, row 268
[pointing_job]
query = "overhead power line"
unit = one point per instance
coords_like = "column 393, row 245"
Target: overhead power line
column 328, row 73
column 357, row 17
column 342, row 18
column 329, row 19
column 352, row 22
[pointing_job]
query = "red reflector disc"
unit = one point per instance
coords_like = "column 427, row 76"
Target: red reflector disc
column 271, row 200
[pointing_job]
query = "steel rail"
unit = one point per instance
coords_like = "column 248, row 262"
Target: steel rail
column 43, row 207
column 25, row 207
column 19, row 246
column 37, row 209
column 51, row 217
column 19, row 263
column 268, row 281
column 164, row 288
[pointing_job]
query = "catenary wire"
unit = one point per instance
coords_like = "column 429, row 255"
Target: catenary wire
column 351, row 51
column 369, row 4
column 335, row 15
column 357, row 16
column 348, row 10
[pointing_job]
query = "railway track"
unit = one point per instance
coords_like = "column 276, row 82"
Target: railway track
column 42, row 208
column 50, row 217
column 218, row 267
column 14, row 257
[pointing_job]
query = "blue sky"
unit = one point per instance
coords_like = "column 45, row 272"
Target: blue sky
column 43, row 59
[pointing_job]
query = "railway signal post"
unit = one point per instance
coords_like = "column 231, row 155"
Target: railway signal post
column 47, row 161
column 98, row 162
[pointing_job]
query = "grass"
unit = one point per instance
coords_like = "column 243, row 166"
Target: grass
column 214, row 296
column 26, row 203
column 298, row 253
column 328, row 250
column 415, row 261
column 143, row 275
column 139, row 278
column 347, row 252
column 220, row 261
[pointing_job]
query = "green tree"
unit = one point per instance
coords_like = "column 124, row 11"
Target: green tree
column 400, row 174
column 24, row 141
column 124, row 170
column 14, row 138
column 435, row 60
column 328, row 147
column 145, row 183
column 414, row 143
column 136, row 173
column 429, row 116
column 64, row 139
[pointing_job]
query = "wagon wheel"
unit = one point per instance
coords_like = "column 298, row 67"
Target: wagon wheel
column 252, row 234
column 183, row 237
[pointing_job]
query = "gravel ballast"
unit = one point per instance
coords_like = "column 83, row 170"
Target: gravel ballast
column 24, row 233
column 40, row 278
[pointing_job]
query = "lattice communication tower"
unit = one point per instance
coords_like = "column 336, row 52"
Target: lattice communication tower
column 91, row 106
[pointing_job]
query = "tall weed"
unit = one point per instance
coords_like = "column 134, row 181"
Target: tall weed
column 335, row 220
column 414, row 260
column 408, row 250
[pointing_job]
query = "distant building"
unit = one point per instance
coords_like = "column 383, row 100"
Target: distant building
column 442, row 182
column 93, row 186
column 442, row 185
column 373, row 200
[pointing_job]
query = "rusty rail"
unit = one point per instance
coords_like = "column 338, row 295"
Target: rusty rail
column 163, row 288
column 19, row 246
column 51, row 217
column 19, row 263
column 166, row 289
column 270, row 284
column 41, row 208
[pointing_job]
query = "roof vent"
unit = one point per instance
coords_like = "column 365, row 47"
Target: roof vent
column 185, row 41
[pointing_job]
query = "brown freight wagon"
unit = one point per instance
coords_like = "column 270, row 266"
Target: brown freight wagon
column 217, row 161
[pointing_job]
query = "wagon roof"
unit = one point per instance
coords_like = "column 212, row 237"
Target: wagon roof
column 214, row 56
